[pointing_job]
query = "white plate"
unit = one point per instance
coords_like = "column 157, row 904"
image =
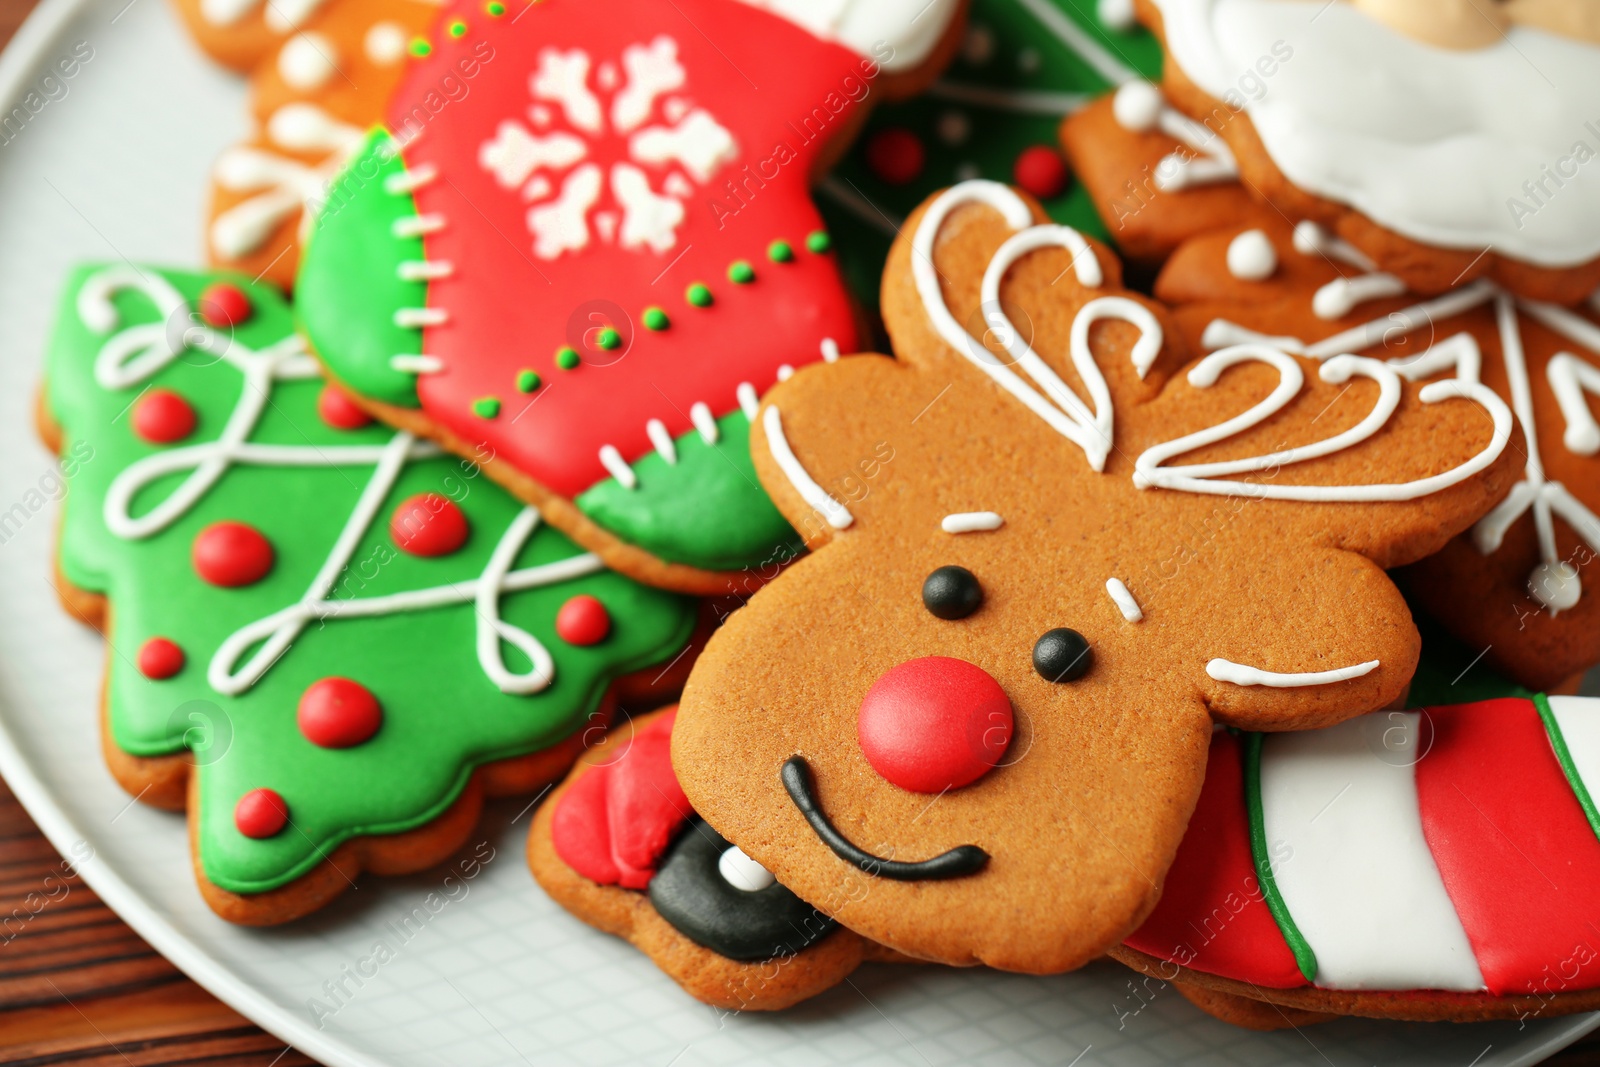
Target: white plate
column 500, row 975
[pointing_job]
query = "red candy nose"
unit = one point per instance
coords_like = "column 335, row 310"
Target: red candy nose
column 934, row 723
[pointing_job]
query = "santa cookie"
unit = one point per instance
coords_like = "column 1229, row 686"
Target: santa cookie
column 1440, row 864
column 1386, row 121
column 1044, row 570
column 326, row 639
column 583, row 272
column 1519, row 587
column 618, row 845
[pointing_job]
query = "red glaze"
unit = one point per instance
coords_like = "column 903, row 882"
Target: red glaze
column 223, row 305
column 934, row 723
column 162, row 417
column 896, row 155
column 428, row 524
column 338, row 713
column 616, row 820
column 1212, row 915
column 583, row 620
column 260, row 813
column 1518, row 858
column 1040, row 170
column 160, row 659
column 339, row 411
column 231, row 554
column 510, row 309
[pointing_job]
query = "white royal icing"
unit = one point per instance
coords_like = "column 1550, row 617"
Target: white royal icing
column 742, row 872
column 1141, row 107
column 1356, row 873
column 837, row 514
column 1446, row 147
column 307, row 61
column 899, row 34
column 385, row 43
column 971, row 522
column 1579, row 721
column 1252, row 257
column 1123, row 599
column 281, row 16
column 1238, row 674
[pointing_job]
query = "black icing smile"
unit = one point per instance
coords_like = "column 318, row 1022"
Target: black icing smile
column 957, row 863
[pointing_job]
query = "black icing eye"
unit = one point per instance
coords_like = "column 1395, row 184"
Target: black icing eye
column 952, row 593
column 1062, row 655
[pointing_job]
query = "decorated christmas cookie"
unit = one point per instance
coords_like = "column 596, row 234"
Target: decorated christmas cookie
column 328, row 639
column 1386, row 121
column 1519, row 586
column 1044, row 570
column 618, row 845
column 583, row 273
column 321, row 72
column 1433, row 864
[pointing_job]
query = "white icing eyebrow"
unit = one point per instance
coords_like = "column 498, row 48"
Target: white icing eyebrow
column 1125, row 603
column 970, row 522
column 837, row 514
column 1237, row 673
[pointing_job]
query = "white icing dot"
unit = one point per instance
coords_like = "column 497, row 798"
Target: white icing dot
column 1251, row 256
column 742, row 872
column 306, row 61
column 1556, row 585
column 1028, row 60
column 386, row 43
column 1138, row 106
column 954, row 127
column 978, row 48
column 1116, row 14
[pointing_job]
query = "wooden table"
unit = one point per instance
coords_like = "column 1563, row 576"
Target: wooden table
column 78, row 986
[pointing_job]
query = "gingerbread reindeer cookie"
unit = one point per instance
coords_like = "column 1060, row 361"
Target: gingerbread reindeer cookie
column 327, row 640
column 583, row 273
column 1047, row 563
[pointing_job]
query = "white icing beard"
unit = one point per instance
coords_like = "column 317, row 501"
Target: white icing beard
column 1458, row 149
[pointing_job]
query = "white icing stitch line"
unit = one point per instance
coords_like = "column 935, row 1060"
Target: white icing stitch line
column 416, row 364
column 417, row 318
column 971, row 522
column 656, row 430
column 423, row 270
column 612, row 460
column 417, row 225
column 749, row 403
column 1125, row 603
column 407, row 181
column 700, row 415
column 837, row 514
column 1239, row 674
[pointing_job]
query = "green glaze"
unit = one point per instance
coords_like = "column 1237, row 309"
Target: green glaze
column 1558, row 743
column 707, row 510
column 348, row 287
column 442, row 714
column 1304, row 956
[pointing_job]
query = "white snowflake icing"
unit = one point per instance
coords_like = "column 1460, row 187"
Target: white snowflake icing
column 610, row 175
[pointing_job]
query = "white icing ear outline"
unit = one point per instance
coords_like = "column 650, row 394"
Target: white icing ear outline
column 1049, row 398
column 1570, row 378
column 1209, row 478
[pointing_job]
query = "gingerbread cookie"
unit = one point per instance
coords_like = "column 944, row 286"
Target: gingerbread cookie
column 1440, row 864
column 328, row 640
column 585, row 271
column 1514, row 587
column 1431, row 176
column 618, row 845
column 1042, row 572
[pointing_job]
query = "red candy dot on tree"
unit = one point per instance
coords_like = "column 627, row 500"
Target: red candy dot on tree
column 428, row 524
column 339, row 713
column 260, row 813
column 231, row 554
column 160, row 659
column 162, row 417
column 934, row 723
column 339, row 411
column 583, row 620
column 1041, row 171
column 223, row 305
column 896, row 155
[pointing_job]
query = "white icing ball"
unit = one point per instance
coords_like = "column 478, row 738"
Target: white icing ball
column 954, row 127
column 1138, row 106
column 1556, row 585
column 742, row 872
column 978, row 48
column 1251, row 256
column 386, row 43
column 1116, row 14
column 306, row 62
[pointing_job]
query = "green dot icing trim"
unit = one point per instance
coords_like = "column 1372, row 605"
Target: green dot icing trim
column 656, row 319
column 741, row 272
column 699, row 295
column 567, row 357
column 1304, row 956
column 528, row 381
column 819, row 242
column 780, row 252
column 487, row 407
column 495, row 8
column 1564, row 756
column 420, row 48
column 608, row 339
